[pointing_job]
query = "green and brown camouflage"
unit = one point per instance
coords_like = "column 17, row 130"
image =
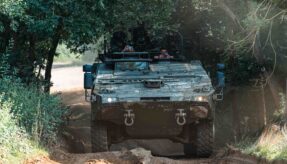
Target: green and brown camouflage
column 138, row 96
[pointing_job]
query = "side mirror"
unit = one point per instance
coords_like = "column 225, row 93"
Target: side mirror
column 220, row 66
column 220, row 75
column 87, row 68
column 88, row 76
column 88, row 79
column 218, row 96
column 220, row 79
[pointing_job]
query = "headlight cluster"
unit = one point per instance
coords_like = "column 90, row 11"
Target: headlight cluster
column 197, row 98
column 201, row 98
column 110, row 100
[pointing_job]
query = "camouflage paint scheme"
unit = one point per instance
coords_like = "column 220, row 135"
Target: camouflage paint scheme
column 184, row 86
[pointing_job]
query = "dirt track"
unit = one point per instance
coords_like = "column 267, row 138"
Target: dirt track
column 76, row 133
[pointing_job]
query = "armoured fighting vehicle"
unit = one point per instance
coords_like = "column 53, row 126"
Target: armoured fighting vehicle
column 147, row 95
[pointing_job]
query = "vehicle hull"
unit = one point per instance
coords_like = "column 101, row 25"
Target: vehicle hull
column 152, row 119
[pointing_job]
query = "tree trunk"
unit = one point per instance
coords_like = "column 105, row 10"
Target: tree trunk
column 5, row 36
column 50, row 59
column 32, row 58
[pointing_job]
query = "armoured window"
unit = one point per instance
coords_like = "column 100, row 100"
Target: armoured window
column 131, row 66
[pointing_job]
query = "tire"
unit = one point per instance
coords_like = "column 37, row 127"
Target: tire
column 205, row 139
column 99, row 137
column 189, row 150
column 202, row 144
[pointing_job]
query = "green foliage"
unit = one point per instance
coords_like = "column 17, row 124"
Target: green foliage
column 4, row 65
column 28, row 117
column 40, row 114
column 242, row 70
column 280, row 114
column 154, row 13
column 38, row 26
column 271, row 145
column 15, row 142
column 64, row 55
column 12, row 8
column 240, row 27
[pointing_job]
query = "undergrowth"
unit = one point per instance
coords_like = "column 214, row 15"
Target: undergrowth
column 15, row 143
column 272, row 143
column 38, row 113
column 29, row 118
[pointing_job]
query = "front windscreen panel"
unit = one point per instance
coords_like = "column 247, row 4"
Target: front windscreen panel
column 131, row 66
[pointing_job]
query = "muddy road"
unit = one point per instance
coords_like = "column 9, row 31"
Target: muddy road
column 68, row 82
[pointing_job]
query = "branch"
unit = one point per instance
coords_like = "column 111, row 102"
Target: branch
column 229, row 12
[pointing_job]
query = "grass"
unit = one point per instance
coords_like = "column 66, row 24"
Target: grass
column 16, row 144
column 271, row 145
column 29, row 118
column 38, row 113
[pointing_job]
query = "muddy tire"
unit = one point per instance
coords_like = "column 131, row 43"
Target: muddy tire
column 205, row 139
column 99, row 137
column 202, row 145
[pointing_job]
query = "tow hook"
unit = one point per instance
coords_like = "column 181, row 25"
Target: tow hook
column 129, row 117
column 180, row 117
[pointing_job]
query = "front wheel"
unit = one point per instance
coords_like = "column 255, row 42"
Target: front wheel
column 201, row 144
column 99, row 137
column 205, row 139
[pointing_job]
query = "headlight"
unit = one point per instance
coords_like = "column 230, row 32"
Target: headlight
column 196, row 98
column 201, row 98
column 111, row 99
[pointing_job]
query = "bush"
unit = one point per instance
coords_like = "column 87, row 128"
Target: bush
column 28, row 116
column 14, row 141
column 40, row 114
column 271, row 144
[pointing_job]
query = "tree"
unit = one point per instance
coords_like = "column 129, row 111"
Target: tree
column 37, row 27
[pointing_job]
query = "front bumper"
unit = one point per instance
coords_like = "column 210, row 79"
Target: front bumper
column 152, row 118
